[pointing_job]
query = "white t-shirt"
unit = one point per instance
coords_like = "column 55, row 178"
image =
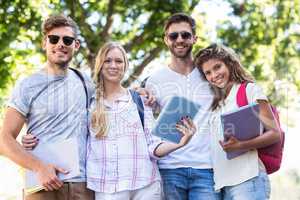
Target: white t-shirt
column 166, row 83
column 244, row 167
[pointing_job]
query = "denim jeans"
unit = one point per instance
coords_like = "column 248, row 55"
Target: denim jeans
column 189, row 183
column 257, row 188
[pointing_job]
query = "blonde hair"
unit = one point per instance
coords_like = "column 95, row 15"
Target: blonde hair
column 227, row 55
column 99, row 118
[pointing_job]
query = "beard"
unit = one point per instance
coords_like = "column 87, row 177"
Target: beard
column 183, row 54
column 63, row 64
column 59, row 59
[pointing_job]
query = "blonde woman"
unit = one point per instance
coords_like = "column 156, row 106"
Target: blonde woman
column 121, row 159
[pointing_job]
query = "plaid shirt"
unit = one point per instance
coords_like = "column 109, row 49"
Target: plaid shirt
column 124, row 159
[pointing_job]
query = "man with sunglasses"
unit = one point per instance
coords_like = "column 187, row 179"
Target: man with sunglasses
column 186, row 173
column 53, row 104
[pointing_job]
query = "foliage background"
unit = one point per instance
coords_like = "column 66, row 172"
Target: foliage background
column 265, row 33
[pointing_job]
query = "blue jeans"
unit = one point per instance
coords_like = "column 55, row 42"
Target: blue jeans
column 257, row 188
column 189, row 183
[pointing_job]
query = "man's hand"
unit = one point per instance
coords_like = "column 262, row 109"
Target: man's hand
column 47, row 175
column 150, row 98
column 12, row 149
column 29, row 141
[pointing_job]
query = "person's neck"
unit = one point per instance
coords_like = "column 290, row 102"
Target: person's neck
column 182, row 66
column 113, row 91
column 54, row 69
column 227, row 88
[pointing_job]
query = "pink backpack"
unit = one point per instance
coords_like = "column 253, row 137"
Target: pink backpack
column 271, row 155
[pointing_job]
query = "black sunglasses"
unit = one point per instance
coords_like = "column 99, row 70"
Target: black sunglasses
column 184, row 35
column 67, row 40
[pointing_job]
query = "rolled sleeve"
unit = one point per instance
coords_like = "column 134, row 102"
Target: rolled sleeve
column 18, row 99
column 255, row 92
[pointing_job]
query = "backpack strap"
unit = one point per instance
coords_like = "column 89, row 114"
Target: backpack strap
column 241, row 96
column 138, row 101
column 80, row 76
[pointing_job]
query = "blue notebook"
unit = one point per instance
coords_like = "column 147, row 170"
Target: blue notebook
column 243, row 123
column 172, row 112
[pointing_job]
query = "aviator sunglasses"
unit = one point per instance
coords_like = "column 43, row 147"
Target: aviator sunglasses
column 184, row 35
column 67, row 40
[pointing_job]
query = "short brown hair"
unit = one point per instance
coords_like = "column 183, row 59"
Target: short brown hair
column 58, row 20
column 180, row 17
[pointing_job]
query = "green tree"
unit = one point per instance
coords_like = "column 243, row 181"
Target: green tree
column 137, row 24
column 267, row 37
column 16, row 17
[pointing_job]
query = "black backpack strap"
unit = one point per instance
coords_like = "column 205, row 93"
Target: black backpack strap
column 138, row 101
column 143, row 83
column 80, row 76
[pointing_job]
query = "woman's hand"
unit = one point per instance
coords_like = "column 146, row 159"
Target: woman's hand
column 29, row 141
column 232, row 144
column 187, row 127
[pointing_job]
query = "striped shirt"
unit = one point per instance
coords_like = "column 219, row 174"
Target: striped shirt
column 124, row 159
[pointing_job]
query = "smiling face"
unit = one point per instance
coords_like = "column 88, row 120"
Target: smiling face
column 216, row 73
column 114, row 66
column 180, row 47
column 60, row 54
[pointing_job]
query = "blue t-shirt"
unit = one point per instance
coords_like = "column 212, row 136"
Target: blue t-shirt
column 55, row 109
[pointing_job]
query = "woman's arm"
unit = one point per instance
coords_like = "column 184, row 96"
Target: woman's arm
column 270, row 136
column 156, row 146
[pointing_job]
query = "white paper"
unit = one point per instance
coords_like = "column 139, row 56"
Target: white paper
column 63, row 154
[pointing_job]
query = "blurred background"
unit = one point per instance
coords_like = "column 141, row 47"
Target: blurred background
column 265, row 33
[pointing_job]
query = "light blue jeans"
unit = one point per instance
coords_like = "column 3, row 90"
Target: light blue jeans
column 257, row 188
column 189, row 183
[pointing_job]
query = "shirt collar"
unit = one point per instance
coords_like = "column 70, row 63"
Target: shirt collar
column 121, row 99
column 194, row 73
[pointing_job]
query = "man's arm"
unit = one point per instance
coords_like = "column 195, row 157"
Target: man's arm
column 9, row 147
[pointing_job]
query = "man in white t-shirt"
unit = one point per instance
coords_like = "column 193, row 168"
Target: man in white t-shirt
column 187, row 173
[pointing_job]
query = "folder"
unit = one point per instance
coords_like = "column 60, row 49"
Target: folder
column 63, row 154
column 243, row 124
column 173, row 111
